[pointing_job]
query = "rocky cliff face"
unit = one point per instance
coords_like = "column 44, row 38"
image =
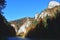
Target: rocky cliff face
column 48, row 26
column 21, row 25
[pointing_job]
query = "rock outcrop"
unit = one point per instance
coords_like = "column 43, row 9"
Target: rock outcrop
column 49, row 24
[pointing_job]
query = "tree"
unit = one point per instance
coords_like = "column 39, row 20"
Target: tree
column 2, row 4
column 6, row 30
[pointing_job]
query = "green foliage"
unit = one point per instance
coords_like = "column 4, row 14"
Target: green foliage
column 59, row 10
column 35, row 22
column 2, row 4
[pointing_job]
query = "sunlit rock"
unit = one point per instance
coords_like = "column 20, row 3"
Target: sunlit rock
column 53, row 4
column 43, row 14
column 13, row 25
column 22, row 29
column 36, row 16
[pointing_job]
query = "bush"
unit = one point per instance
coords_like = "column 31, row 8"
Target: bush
column 35, row 22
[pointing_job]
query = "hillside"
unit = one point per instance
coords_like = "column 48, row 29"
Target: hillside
column 19, row 22
column 48, row 27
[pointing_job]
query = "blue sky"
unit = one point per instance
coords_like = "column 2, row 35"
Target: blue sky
column 16, row 9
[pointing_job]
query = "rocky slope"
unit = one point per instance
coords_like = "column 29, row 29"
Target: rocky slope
column 48, row 27
column 20, row 22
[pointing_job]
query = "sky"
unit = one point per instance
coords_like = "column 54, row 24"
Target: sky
column 16, row 9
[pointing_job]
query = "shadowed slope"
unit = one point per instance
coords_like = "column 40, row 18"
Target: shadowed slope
column 52, row 29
